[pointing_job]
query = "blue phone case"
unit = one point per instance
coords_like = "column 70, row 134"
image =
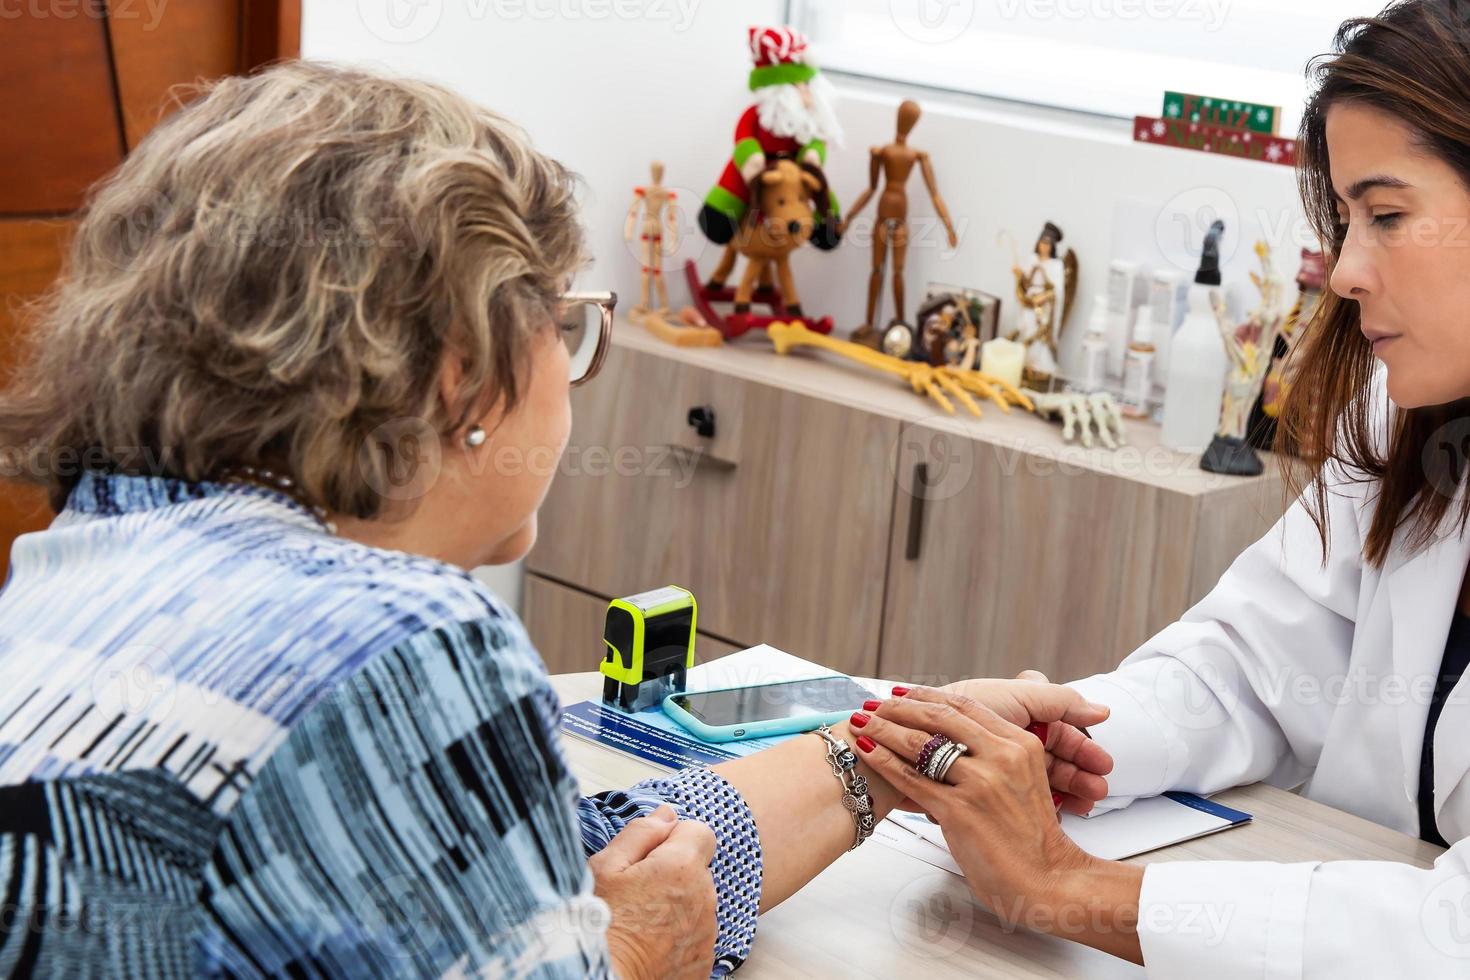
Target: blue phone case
column 754, row 729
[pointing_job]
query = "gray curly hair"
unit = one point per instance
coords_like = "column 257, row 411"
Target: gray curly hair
column 279, row 271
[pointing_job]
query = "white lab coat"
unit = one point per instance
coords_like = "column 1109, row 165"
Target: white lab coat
column 1296, row 673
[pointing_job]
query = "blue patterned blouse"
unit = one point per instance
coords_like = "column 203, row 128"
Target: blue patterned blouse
column 232, row 744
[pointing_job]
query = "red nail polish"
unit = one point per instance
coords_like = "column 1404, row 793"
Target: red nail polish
column 870, row 705
column 1039, row 729
column 865, row 743
column 899, row 692
column 1056, row 799
column 858, row 719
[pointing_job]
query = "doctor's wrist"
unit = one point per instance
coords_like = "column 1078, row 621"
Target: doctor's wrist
column 1094, row 902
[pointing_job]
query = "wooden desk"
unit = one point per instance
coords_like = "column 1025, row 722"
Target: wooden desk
column 879, row 913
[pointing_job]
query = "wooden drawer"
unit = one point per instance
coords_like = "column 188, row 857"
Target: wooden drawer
column 778, row 522
column 566, row 626
column 995, row 567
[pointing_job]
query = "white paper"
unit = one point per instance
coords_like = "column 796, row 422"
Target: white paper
column 761, row 664
column 1145, row 826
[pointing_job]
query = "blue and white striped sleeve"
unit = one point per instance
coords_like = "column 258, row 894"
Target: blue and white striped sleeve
column 418, row 820
column 696, row 794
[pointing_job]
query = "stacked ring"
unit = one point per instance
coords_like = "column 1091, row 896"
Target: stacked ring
column 927, row 752
column 943, row 759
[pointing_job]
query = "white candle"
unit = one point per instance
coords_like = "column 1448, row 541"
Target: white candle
column 1003, row 359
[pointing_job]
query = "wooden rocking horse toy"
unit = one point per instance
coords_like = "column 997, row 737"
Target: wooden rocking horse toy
column 780, row 222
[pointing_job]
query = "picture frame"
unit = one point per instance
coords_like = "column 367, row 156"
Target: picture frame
column 984, row 307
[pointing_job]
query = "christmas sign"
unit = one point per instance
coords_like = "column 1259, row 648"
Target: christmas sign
column 1228, row 113
column 1215, row 139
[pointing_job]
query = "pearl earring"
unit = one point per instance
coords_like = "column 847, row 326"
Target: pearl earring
column 475, row 438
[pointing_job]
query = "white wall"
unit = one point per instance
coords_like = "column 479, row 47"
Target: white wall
column 602, row 94
column 666, row 79
column 1007, row 168
column 605, row 95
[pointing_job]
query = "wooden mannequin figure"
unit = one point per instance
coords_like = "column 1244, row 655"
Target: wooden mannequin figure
column 656, row 202
column 649, row 217
column 895, row 162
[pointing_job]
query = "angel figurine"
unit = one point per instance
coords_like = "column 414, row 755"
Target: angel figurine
column 1045, row 288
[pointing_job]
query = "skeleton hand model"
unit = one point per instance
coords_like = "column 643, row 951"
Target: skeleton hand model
column 1083, row 413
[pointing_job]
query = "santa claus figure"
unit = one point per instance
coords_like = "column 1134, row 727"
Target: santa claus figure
column 792, row 117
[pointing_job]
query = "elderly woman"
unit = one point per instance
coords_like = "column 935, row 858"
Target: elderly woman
column 257, row 719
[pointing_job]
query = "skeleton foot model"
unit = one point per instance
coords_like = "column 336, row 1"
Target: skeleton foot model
column 1083, row 414
column 939, row 383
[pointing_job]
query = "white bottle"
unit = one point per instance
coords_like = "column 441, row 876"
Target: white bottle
column 1166, row 295
column 1195, row 384
column 1122, row 274
column 1094, row 373
column 1164, row 292
column 1138, row 375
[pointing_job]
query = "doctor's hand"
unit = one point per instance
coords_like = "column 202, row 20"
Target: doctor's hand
column 1075, row 764
column 995, row 806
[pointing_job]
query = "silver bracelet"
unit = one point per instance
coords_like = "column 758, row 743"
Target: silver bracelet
column 855, row 796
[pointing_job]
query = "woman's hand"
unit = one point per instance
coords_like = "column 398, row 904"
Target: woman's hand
column 1075, row 764
column 655, row 877
column 996, row 808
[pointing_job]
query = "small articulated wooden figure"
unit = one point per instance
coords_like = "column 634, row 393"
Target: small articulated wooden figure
column 656, row 203
column 652, row 214
column 895, row 162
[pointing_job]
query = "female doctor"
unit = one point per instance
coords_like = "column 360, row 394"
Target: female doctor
column 1331, row 654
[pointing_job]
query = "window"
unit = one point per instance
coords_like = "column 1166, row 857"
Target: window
column 1109, row 57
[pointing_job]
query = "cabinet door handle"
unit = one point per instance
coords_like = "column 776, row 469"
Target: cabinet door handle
column 699, row 458
column 916, row 511
column 701, row 419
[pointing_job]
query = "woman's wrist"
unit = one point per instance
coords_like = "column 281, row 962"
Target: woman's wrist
column 627, row 960
column 885, row 797
column 1091, row 901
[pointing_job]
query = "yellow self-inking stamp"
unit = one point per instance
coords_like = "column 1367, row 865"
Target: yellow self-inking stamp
column 650, row 647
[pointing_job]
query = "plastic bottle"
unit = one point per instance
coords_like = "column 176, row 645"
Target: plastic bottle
column 1195, row 383
column 1122, row 274
column 1095, row 347
column 1138, row 375
column 1166, row 294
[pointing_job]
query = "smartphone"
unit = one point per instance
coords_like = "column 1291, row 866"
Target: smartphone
column 766, row 709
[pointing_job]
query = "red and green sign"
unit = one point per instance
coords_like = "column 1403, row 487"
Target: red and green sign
column 1242, row 143
column 1227, row 113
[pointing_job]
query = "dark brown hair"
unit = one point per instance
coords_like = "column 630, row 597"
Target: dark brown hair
column 1412, row 62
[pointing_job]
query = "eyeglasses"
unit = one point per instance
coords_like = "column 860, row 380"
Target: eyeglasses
column 586, row 327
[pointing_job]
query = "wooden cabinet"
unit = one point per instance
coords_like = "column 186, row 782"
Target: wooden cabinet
column 1001, row 560
column 777, row 522
column 836, row 515
column 566, row 626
